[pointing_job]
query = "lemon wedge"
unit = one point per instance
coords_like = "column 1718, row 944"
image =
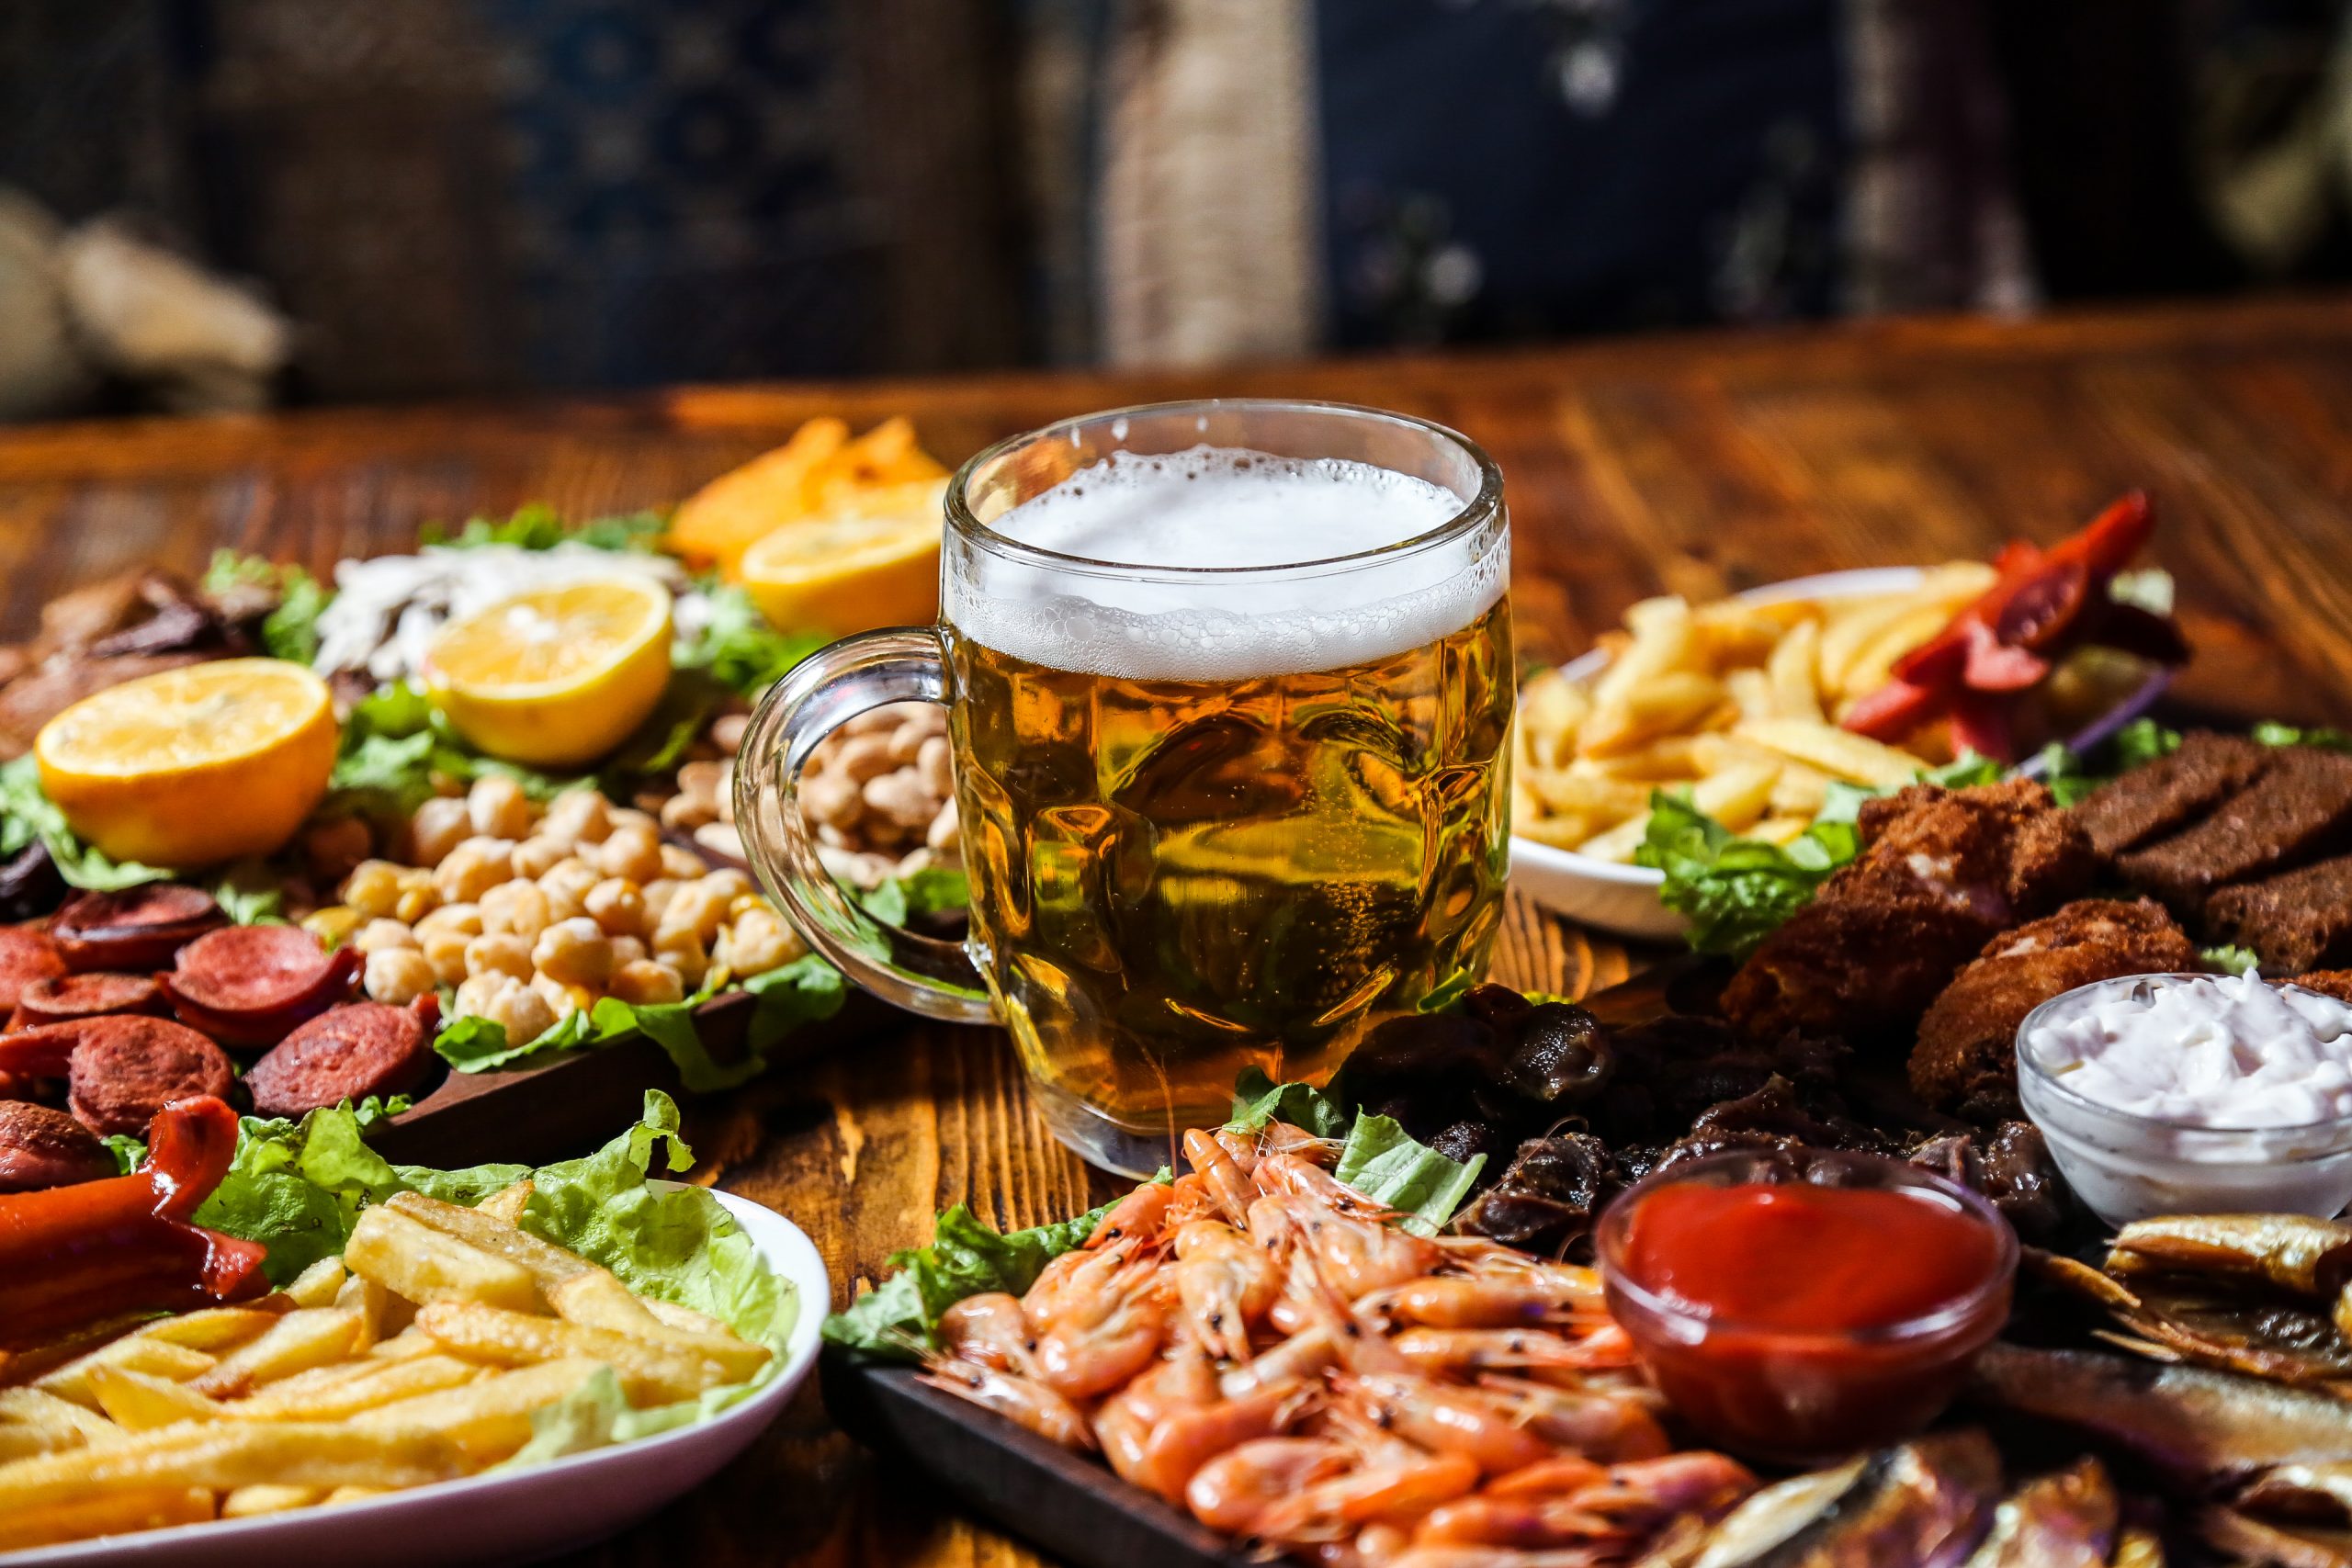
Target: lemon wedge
column 849, row 571
column 192, row 766
column 557, row 676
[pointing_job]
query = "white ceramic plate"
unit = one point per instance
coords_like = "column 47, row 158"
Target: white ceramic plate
column 553, row 1508
column 1623, row 899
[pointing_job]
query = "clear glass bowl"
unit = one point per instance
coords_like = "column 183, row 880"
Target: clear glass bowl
column 2128, row 1167
column 1771, row 1392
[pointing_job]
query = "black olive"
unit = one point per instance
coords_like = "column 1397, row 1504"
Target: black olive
column 1564, row 1057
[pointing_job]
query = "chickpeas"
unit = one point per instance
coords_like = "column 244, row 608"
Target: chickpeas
column 684, row 952
column 398, row 975
column 446, row 951
column 509, row 1003
column 437, row 827
column 497, row 808
column 371, row 890
column 462, row 919
column 499, row 954
column 631, row 851
column 417, row 897
column 562, row 1000
column 682, row 864
column 758, row 942
column 382, row 935
column 642, row 983
column 575, row 953
column 578, row 817
column 539, row 854
column 567, row 886
column 517, row 908
column 697, row 908
column 473, row 868
column 616, row 906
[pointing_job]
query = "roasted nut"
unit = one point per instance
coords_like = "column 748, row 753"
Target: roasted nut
column 371, row 890
column 705, row 782
column 642, row 983
column 539, row 854
column 720, row 838
column 685, row 813
column 631, row 851
column 616, row 906
column 657, row 894
column 627, row 950
column 630, row 816
column 946, row 833
column 499, row 953
column 832, row 799
column 517, row 908
column 731, row 881
column 901, row 798
column 398, row 975
column 578, row 817
column 381, row 935
column 727, row 730
column 682, row 864
column 575, row 953
column 437, row 827
column 864, row 757
column 566, row 885
column 562, row 1000
column 683, row 950
column 758, row 942
column 935, row 767
column 473, row 868
column 497, row 808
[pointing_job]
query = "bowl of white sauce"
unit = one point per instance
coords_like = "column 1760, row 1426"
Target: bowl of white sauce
column 2187, row 1094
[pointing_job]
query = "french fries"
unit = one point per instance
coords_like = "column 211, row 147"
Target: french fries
column 421, row 1354
column 1734, row 705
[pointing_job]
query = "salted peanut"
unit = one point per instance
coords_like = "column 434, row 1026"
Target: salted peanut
column 936, row 765
column 830, row 799
column 704, row 780
column 616, row 906
column 697, row 908
column 578, row 817
column 371, row 890
column 630, row 816
column 945, row 831
column 864, row 757
column 516, row 908
column 758, row 942
column 398, row 975
column 731, row 882
column 473, row 868
column 445, row 951
column 901, row 798
column 875, row 721
column 682, row 863
column 727, row 730
column 575, row 953
column 437, row 827
column 382, row 933
column 643, row 983
column 632, row 852
column 497, row 808
column 418, row 897
column 499, row 953
column 539, row 854
column 463, row 919
column 685, row 952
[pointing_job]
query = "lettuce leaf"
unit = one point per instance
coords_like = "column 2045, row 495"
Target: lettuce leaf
column 2271, row 734
column 2229, row 960
column 291, row 630
column 899, row 1319
column 26, row 813
column 738, row 645
column 933, row 890
column 536, row 526
column 806, row 990
column 398, row 748
column 1383, row 1161
column 1258, row 1099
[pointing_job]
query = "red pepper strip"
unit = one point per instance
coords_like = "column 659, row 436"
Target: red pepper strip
column 1895, row 709
column 1995, row 666
column 2107, row 543
column 2043, row 606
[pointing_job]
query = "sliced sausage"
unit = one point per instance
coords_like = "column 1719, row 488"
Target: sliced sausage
column 348, row 1052
column 139, row 927
column 254, row 985
column 123, row 1069
column 40, row 1146
column 69, row 997
column 25, row 957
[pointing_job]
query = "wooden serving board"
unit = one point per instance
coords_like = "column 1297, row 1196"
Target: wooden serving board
column 566, row 1106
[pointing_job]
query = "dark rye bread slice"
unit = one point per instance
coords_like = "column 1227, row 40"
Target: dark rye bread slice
column 2300, row 807
column 2172, row 792
column 2297, row 920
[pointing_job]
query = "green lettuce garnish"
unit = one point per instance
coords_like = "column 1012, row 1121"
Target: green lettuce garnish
column 398, row 747
column 2230, row 959
column 2272, row 733
column 1258, row 1099
column 933, row 890
column 291, row 630
column 807, row 990
column 899, row 1319
column 26, row 813
column 737, row 646
column 1385, row 1163
column 536, row 526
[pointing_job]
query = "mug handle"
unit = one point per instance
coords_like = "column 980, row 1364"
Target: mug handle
column 921, row 973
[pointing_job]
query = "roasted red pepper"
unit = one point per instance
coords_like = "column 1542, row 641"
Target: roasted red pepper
column 2042, row 604
column 72, row 1254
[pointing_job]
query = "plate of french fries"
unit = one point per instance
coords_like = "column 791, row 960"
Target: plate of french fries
column 391, row 1405
column 1737, row 702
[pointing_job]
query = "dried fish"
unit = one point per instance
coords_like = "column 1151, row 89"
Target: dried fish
column 2249, row 1540
column 1925, row 1503
column 2303, row 1492
column 2066, row 1520
column 2138, row 1547
column 2197, row 1425
column 2212, row 1323
column 2295, row 1252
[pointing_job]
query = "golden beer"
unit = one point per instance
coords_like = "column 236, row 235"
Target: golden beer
column 1173, row 880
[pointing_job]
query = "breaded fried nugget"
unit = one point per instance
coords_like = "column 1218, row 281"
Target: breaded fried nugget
column 1965, row 1061
column 2337, row 982
column 1941, row 873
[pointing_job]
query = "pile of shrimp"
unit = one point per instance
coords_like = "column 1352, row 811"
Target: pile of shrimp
column 1271, row 1350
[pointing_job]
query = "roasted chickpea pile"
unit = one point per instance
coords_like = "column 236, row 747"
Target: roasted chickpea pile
column 534, row 913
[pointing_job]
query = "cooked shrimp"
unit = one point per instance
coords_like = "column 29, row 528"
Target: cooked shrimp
column 1077, row 1281
column 1614, row 1424
column 1463, row 1352
column 1232, row 1490
column 1524, row 1523
column 1281, row 1138
column 1491, row 1301
column 1125, row 1420
column 1649, row 1491
column 1358, row 1257
column 989, row 1330
column 1016, row 1398
column 1225, row 1182
column 1445, row 1419
column 1301, row 1355
column 1141, row 1214
column 1093, row 1346
column 1556, row 1476
column 1224, row 1285
column 1189, row 1437
column 1288, row 1175
column 1398, row 1487
column 1445, row 1556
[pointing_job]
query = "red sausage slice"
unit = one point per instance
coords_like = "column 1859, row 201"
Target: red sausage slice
column 69, row 997
column 139, row 927
column 25, row 957
column 123, row 1070
column 44, row 1148
column 348, row 1052
column 252, row 985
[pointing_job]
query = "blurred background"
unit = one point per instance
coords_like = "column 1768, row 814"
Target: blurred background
column 221, row 204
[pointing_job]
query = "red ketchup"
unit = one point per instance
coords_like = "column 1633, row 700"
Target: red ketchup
column 1795, row 1320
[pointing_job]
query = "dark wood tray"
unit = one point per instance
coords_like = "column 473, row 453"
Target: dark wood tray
column 1064, row 1503
column 558, row 1108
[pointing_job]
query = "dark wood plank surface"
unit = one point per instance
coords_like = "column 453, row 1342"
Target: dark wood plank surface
column 1697, row 465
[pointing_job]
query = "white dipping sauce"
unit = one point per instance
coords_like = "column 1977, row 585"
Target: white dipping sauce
column 2202, row 1051
column 2193, row 1094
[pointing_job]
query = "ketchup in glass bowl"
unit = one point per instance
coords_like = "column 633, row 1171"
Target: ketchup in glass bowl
column 1796, row 1306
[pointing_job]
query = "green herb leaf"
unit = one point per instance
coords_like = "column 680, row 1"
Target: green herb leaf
column 1384, row 1161
column 740, row 649
column 1735, row 891
column 2271, row 734
column 536, row 526
column 2231, row 960
column 933, row 890
column 248, row 896
column 2141, row 741
column 1258, row 1099
column 900, row 1319
column 397, row 749
column 290, row 631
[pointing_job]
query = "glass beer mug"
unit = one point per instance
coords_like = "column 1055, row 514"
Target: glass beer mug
column 1229, row 685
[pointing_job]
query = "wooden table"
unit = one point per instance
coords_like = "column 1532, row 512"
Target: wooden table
column 1694, row 465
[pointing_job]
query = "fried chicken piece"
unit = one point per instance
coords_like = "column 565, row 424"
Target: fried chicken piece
column 1965, row 1062
column 2337, row 982
column 1941, row 873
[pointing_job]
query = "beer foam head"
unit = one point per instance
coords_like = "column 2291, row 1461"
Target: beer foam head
column 1160, row 517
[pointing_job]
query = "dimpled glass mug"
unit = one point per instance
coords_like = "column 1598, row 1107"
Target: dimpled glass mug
column 1229, row 685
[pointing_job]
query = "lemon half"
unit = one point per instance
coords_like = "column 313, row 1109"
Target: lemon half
column 189, row 767
column 849, row 573
column 557, row 676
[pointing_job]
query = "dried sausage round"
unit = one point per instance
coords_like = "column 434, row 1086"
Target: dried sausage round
column 44, row 1148
column 139, row 927
column 348, row 1052
column 124, row 1069
column 25, row 957
column 252, row 985
column 68, row 996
